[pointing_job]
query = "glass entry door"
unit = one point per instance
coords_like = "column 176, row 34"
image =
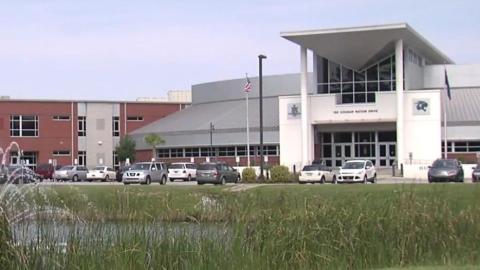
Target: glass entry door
column 343, row 152
column 387, row 153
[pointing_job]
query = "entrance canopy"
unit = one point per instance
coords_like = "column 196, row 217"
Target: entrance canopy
column 358, row 47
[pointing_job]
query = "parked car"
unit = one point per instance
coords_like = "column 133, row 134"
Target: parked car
column 476, row 174
column 353, row 171
column 445, row 170
column 71, row 172
column 46, row 170
column 103, row 173
column 121, row 171
column 145, row 173
column 216, row 173
column 182, row 170
column 18, row 174
column 316, row 174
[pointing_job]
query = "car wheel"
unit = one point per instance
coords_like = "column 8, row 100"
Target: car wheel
column 148, row 180
column 374, row 179
column 238, row 179
column 223, row 181
column 107, row 178
column 172, row 179
column 189, row 178
column 126, row 184
column 322, row 180
column 334, row 180
column 365, row 179
column 75, row 178
column 199, row 183
column 163, row 181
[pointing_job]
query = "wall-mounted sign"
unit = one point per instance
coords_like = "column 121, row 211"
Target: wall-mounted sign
column 421, row 106
column 357, row 111
column 294, row 110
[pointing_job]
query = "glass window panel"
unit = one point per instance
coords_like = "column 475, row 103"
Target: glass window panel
column 347, row 74
column 372, row 86
column 370, row 97
column 334, row 88
column 327, row 137
column 387, row 136
column 372, row 73
column 334, row 72
column 347, row 87
column 385, row 70
column 327, row 151
column 393, row 67
column 322, row 70
column 241, row 150
column 359, row 76
column 385, row 86
column 342, row 137
column 347, row 98
column 360, row 87
column 360, row 98
column 322, row 89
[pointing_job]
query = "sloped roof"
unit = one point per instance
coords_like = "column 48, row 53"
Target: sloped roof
column 464, row 107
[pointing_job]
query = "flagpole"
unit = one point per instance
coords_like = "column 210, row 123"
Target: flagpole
column 445, row 151
column 248, row 134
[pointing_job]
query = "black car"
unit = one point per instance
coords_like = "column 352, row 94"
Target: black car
column 216, row 173
column 121, row 171
column 476, row 174
column 445, row 170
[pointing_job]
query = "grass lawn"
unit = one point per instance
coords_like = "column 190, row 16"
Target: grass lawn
column 266, row 227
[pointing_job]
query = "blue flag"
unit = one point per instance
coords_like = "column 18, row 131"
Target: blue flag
column 447, row 86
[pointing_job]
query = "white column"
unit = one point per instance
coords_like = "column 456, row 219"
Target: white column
column 400, row 104
column 304, row 102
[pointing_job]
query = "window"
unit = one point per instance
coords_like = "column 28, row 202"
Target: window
column 61, row 153
column 192, row 152
column 463, row 146
column 176, row 152
column 226, row 151
column 163, row 153
column 355, row 86
column 205, row 152
column 241, row 150
column 24, row 126
column 116, row 126
column 134, row 118
column 270, row 150
column 82, row 158
column 61, row 118
column 82, row 126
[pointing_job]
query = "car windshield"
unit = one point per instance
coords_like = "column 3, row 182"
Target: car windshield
column 353, row 165
column 310, row 168
column 176, row 166
column 99, row 168
column 140, row 166
column 66, row 168
column 444, row 163
column 206, row 167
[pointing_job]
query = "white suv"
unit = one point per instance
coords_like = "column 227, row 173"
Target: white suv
column 182, row 170
column 357, row 171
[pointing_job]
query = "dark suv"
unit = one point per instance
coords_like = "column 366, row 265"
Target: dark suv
column 216, row 173
column 46, row 170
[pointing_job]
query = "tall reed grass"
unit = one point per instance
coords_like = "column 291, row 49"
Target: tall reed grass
column 328, row 227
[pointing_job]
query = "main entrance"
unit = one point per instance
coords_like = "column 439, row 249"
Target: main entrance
column 377, row 146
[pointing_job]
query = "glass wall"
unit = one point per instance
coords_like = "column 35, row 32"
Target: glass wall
column 222, row 151
column 355, row 86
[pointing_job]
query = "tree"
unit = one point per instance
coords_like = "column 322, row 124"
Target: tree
column 126, row 149
column 154, row 140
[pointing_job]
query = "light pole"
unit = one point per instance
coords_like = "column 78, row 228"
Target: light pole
column 260, row 101
column 212, row 128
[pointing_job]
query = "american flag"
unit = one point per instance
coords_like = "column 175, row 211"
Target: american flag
column 447, row 86
column 248, row 85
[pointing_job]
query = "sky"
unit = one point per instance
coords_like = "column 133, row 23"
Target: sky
column 121, row 50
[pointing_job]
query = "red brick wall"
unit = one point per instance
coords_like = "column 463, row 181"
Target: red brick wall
column 467, row 158
column 52, row 135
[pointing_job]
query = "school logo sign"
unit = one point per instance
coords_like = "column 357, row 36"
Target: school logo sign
column 294, row 110
column 421, row 107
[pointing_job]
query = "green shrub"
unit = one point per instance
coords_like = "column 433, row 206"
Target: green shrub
column 248, row 175
column 280, row 174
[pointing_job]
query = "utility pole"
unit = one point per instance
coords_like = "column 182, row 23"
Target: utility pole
column 212, row 128
column 260, row 101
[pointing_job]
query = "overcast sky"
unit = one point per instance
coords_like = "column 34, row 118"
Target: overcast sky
column 120, row 50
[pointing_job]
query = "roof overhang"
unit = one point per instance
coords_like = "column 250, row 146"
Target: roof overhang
column 359, row 47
